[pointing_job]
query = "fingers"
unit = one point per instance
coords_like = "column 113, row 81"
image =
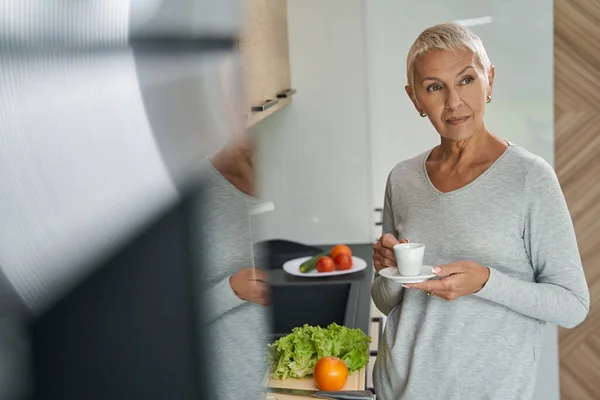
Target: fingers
column 384, row 253
column 378, row 266
column 449, row 269
column 381, row 262
column 449, row 284
column 382, row 257
column 388, row 240
column 446, row 288
column 460, row 278
column 388, row 254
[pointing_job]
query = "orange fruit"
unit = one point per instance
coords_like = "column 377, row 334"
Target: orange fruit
column 330, row 374
column 343, row 262
column 340, row 248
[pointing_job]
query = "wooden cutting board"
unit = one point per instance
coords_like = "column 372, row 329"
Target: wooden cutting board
column 356, row 381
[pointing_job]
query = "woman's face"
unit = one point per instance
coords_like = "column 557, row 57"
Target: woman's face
column 451, row 88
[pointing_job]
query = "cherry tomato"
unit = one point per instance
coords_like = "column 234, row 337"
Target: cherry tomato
column 343, row 262
column 325, row 264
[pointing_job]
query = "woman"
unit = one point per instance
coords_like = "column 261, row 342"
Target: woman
column 497, row 229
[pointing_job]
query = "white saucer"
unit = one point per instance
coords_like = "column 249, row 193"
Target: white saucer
column 392, row 273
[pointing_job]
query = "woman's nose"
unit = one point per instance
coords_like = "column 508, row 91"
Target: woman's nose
column 453, row 101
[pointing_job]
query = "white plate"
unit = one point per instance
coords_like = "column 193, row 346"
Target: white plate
column 292, row 267
column 392, row 273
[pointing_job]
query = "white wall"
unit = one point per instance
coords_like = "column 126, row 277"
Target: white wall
column 314, row 155
column 521, row 111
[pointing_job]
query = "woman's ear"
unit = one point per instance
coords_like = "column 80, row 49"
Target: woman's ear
column 491, row 75
column 411, row 94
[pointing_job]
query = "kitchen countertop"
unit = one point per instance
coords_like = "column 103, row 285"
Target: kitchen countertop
column 361, row 282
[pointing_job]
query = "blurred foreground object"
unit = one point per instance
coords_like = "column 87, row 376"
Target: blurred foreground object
column 133, row 329
column 106, row 109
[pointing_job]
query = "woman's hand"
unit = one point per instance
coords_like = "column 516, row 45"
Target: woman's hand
column 460, row 278
column 251, row 284
column 383, row 252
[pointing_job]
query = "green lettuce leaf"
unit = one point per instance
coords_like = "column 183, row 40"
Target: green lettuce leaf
column 295, row 355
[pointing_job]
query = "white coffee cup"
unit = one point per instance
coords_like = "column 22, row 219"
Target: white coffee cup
column 409, row 258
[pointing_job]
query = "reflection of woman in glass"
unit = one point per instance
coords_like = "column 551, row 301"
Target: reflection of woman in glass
column 238, row 292
column 497, row 231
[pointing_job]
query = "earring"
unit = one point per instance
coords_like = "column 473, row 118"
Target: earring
column 422, row 114
column 488, row 99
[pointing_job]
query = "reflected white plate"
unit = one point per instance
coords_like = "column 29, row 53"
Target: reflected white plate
column 392, row 273
column 292, row 267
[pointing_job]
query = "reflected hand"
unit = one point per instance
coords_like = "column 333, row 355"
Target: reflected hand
column 383, row 252
column 460, row 278
column 251, row 284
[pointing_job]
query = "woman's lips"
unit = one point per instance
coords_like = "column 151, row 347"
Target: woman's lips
column 457, row 120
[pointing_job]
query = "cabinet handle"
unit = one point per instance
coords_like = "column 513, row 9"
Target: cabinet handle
column 379, row 210
column 286, row 93
column 379, row 321
column 266, row 105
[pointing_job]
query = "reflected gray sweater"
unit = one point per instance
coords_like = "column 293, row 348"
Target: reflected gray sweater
column 237, row 329
column 514, row 219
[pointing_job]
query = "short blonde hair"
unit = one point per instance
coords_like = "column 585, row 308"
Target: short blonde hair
column 449, row 36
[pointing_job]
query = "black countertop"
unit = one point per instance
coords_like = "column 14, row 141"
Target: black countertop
column 359, row 301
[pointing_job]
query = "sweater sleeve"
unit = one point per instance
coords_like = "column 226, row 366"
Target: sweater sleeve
column 559, row 294
column 386, row 293
column 220, row 299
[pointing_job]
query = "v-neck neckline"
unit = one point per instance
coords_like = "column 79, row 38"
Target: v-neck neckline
column 485, row 173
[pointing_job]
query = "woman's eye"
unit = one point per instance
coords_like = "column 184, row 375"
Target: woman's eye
column 433, row 87
column 467, row 80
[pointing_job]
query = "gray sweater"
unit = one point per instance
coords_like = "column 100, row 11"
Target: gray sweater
column 237, row 329
column 514, row 219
